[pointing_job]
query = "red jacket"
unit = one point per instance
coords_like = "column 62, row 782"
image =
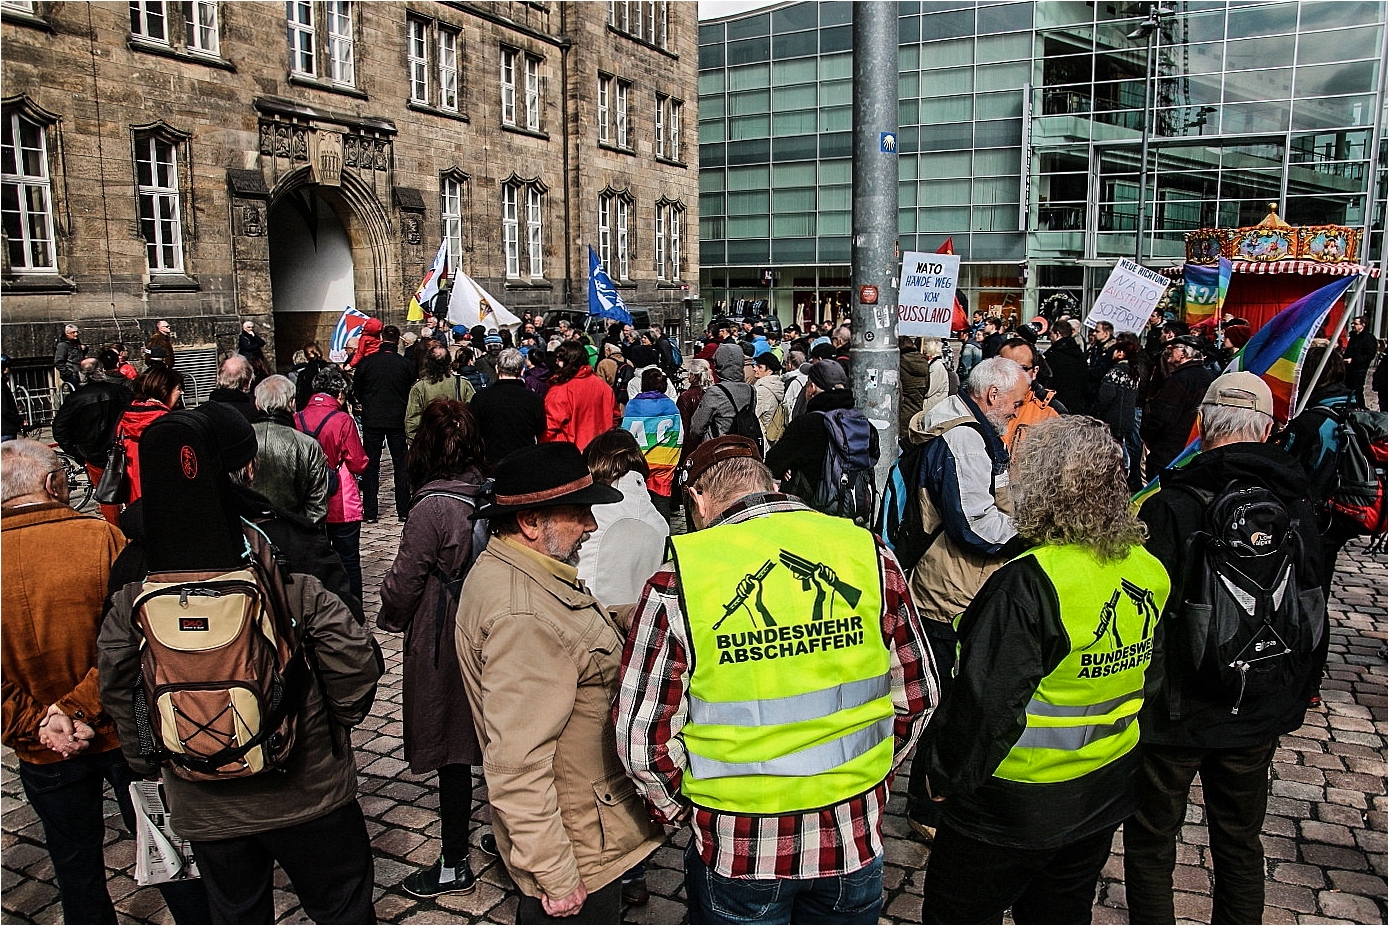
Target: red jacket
column 368, row 342
column 137, row 417
column 580, row 409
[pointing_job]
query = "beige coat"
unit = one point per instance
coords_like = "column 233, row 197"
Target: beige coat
column 949, row 575
column 541, row 661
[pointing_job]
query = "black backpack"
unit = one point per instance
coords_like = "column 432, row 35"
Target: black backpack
column 1249, row 620
column 1354, row 489
column 744, row 419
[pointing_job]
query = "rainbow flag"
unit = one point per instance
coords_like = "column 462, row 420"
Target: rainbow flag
column 1206, row 288
column 1188, row 454
column 657, row 426
column 1277, row 350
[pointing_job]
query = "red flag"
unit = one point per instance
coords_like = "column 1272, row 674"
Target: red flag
column 959, row 321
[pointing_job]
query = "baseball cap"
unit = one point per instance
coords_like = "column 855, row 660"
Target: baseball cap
column 1240, row 390
column 709, row 452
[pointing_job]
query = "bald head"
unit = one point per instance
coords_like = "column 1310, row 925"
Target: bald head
column 235, row 373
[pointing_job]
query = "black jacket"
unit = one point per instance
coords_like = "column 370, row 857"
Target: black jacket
column 382, row 386
column 1115, row 399
column 1069, row 374
column 509, row 417
column 1178, row 711
column 801, row 450
column 1361, row 349
column 1011, row 637
column 1172, row 411
column 303, row 382
column 250, row 346
column 241, row 401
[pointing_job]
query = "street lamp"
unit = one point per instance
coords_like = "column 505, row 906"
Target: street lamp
column 1147, row 30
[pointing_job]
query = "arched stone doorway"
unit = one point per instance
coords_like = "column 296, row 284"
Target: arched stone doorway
column 328, row 250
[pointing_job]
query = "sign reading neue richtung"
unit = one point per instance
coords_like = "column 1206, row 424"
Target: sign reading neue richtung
column 1128, row 298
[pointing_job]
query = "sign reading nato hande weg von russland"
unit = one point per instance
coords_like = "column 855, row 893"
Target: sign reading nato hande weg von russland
column 1128, row 298
column 926, row 298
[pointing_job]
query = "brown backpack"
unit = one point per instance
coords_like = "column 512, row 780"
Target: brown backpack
column 223, row 672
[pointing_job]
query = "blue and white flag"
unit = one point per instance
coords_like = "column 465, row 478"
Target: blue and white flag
column 603, row 299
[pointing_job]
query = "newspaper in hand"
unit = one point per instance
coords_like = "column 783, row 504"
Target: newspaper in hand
column 160, row 855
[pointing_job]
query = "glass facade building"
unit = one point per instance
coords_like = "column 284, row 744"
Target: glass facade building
column 1020, row 139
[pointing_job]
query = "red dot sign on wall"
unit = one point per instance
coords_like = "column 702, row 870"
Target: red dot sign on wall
column 868, row 295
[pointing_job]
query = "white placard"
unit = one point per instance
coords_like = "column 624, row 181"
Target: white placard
column 1128, row 298
column 926, row 298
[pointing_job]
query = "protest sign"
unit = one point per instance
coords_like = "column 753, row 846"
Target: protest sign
column 1128, row 298
column 926, row 298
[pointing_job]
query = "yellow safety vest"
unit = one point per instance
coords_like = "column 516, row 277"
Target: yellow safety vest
column 790, row 705
column 1084, row 714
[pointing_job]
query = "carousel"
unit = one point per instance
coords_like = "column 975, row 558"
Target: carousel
column 1273, row 264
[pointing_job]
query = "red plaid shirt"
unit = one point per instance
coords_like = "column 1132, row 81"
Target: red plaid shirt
column 651, row 710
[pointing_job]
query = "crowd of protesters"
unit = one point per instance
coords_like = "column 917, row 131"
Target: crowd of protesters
column 631, row 603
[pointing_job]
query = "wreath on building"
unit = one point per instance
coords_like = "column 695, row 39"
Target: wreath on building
column 1058, row 304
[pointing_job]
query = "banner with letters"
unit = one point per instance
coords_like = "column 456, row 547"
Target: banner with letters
column 1128, row 298
column 926, row 298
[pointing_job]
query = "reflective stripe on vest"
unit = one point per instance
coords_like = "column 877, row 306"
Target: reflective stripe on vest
column 789, row 697
column 813, row 761
column 1073, row 738
column 793, row 709
column 1045, row 709
column 1084, row 713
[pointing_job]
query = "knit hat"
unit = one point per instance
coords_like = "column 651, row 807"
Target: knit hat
column 1239, row 335
column 643, row 356
column 493, row 340
column 1240, row 390
column 232, row 434
column 827, row 375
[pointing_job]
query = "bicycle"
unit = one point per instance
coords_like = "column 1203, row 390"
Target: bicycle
column 80, row 488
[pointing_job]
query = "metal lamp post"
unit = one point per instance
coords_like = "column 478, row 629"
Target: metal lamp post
column 1148, row 30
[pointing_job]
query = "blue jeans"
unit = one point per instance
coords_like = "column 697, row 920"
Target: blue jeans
column 853, row 898
column 67, row 796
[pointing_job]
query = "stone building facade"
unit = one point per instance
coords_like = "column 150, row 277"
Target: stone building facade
column 211, row 162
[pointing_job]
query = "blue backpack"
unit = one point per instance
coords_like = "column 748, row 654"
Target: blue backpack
column 846, row 488
column 899, row 516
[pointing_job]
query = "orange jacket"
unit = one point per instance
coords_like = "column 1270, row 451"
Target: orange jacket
column 55, row 566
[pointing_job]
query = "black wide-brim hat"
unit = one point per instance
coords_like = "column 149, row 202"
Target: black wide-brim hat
column 544, row 476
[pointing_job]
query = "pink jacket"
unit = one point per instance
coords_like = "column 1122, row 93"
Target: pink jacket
column 342, row 445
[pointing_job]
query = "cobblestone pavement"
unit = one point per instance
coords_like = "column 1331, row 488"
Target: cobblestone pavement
column 1324, row 836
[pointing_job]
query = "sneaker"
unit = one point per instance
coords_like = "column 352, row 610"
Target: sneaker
column 426, row 883
column 488, row 844
column 369, row 520
column 635, row 892
column 1314, row 702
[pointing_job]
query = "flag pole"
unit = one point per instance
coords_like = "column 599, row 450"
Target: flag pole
column 1306, row 394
